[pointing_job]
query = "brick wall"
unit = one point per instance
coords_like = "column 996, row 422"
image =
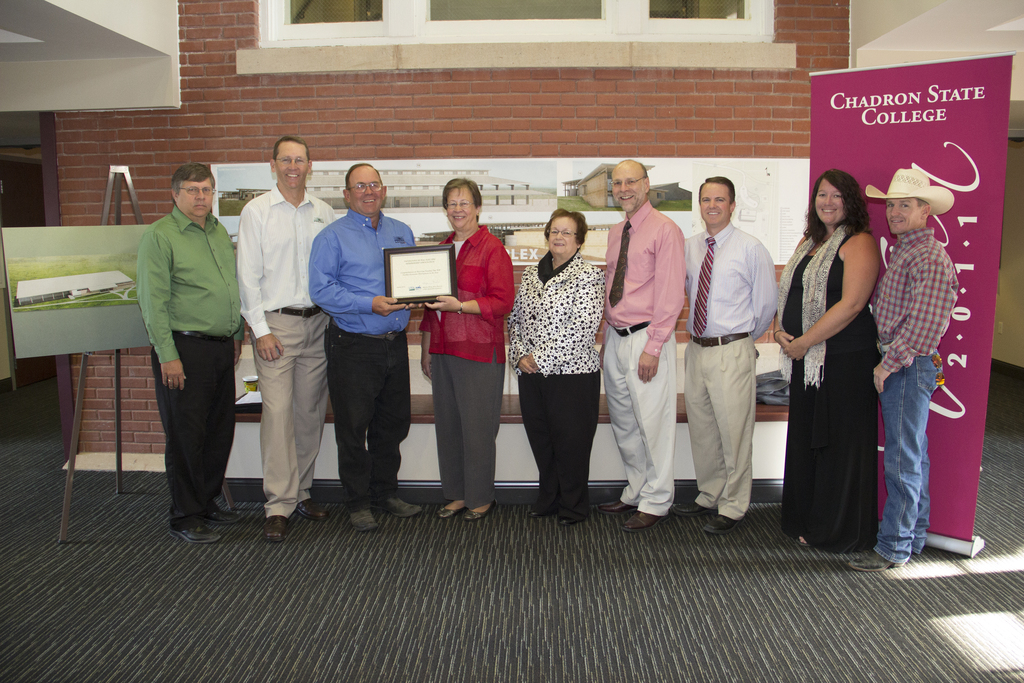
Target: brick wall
column 421, row 114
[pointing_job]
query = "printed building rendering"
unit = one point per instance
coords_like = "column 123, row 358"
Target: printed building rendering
column 70, row 287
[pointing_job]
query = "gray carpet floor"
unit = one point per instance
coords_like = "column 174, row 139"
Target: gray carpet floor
column 508, row 599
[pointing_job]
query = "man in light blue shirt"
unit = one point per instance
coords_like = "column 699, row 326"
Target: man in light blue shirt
column 367, row 352
column 730, row 282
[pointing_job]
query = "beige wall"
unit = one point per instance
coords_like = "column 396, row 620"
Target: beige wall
column 1007, row 346
column 871, row 19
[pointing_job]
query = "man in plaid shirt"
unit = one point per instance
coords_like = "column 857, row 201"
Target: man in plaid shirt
column 912, row 306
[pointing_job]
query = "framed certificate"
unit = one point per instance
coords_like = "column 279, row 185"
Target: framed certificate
column 417, row 274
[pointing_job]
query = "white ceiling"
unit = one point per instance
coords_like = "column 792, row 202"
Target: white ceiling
column 959, row 26
column 35, row 31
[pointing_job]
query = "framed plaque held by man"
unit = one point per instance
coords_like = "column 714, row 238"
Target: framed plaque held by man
column 415, row 275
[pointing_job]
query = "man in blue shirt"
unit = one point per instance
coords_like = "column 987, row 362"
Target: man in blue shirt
column 367, row 352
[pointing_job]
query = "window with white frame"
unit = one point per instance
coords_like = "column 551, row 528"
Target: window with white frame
column 381, row 22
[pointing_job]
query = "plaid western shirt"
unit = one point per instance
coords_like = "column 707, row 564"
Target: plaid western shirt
column 913, row 302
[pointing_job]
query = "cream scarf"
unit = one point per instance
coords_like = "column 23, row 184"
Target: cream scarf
column 815, row 280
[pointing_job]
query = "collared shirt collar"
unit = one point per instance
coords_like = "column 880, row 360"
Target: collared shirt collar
column 722, row 235
column 916, row 235
column 473, row 239
column 546, row 267
column 641, row 215
column 184, row 221
column 365, row 221
column 276, row 197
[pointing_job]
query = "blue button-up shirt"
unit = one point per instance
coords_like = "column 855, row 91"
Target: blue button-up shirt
column 346, row 271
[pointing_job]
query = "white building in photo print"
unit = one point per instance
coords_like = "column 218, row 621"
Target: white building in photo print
column 70, row 287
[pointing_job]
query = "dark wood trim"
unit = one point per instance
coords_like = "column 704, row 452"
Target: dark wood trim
column 423, row 411
column 51, row 182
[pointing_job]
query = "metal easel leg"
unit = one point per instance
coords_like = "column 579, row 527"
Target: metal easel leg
column 117, row 422
column 79, row 400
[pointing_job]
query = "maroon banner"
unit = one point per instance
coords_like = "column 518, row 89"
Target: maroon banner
column 949, row 120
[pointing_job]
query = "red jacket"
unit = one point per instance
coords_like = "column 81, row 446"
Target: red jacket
column 484, row 272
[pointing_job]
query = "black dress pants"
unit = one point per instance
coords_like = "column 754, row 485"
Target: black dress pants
column 199, row 425
column 368, row 380
column 560, row 417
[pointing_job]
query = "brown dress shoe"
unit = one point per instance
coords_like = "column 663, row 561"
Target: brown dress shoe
column 310, row 510
column 275, row 528
column 615, row 508
column 642, row 521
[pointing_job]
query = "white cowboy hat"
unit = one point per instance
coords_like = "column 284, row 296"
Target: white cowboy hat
column 909, row 182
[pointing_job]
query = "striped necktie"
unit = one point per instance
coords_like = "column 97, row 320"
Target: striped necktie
column 700, row 315
column 619, row 281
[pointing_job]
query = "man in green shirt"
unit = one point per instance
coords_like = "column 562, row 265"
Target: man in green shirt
column 188, row 294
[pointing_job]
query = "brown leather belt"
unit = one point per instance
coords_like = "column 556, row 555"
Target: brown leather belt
column 719, row 341
column 300, row 312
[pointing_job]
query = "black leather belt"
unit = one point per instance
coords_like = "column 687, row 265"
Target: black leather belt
column 630, row 330
column 300, row 312
column 719, row 341
column 388, row 336
column 200, row 335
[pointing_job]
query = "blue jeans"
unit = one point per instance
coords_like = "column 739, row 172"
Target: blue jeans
column 905, row 408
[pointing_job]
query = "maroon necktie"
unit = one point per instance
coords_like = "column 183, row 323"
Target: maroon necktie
column 700, row 315
column 619, row 281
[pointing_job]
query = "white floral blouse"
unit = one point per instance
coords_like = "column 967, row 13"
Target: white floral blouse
column 557, row 322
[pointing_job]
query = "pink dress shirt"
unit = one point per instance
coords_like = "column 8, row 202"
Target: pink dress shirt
column 655, row 275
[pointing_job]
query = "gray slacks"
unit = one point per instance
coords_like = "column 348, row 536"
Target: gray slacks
column 467, row 414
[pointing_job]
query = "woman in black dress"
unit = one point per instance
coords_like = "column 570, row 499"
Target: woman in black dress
column 828, row 347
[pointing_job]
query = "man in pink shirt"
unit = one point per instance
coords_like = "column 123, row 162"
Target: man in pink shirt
column 644, row 295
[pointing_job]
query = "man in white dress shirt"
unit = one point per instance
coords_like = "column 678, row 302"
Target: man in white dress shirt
column 731, row 286
column 275, row 236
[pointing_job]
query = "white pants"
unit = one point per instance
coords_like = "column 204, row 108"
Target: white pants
column 643, row 418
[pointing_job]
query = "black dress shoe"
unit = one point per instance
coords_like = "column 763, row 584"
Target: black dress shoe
column 691, row 510
column 222, row 517
column 538, row 515
column 568, row 521
column 721, row 524
column 275, row 528
column 615, row 508
column 310, row 510
column 197, row 534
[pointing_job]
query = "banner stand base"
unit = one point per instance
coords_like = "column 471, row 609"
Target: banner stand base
column 955, row 545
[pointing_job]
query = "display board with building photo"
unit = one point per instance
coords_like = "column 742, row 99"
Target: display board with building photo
column 520, row 194
column 72, row 289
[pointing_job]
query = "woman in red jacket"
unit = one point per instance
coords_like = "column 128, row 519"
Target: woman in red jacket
column 463, row 354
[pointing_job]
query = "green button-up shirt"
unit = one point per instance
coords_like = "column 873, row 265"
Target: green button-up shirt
column 186, row 281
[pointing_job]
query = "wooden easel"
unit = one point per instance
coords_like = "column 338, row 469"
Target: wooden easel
column 115, row 177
